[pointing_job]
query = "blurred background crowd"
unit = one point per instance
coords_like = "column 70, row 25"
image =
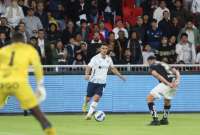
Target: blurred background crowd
column 70, row 32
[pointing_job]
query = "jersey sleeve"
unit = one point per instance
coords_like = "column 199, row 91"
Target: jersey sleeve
column 111, row 62
column 152, row 67
column 92, row 62
column 37, row 66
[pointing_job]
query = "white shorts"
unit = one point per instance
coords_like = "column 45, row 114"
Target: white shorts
column 162, row 90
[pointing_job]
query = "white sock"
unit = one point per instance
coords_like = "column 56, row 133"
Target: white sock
column 93, row 107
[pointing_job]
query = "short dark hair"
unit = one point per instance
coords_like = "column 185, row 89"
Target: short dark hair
column 17, row 37
column 184, row 34
column 151, row 58
column 154, row 21
column 104, row 44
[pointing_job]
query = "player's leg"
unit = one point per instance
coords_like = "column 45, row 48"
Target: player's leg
column 93, row 106
column 167, row 106
column 46, row 125
column 28, row 101
column 98, row 92
column 154, row 94
column 90, row 94
column 85, row 104
column 152, row 109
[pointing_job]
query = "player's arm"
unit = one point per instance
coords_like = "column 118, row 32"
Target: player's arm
column 177, row 73
column 38, row 72
column 87, row 72
column 89, row 67
column 160, row 77
column 116, row 72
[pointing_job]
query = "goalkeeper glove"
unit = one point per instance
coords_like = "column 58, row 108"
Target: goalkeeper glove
column 40, row 91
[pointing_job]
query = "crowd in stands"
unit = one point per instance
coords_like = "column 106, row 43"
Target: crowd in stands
column 70, row 32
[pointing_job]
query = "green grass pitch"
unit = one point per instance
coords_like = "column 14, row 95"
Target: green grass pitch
column 133, row 124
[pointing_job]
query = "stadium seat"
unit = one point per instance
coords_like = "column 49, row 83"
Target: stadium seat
column 129, row 3
column 137, row 11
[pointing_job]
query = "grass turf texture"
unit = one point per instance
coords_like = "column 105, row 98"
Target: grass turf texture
column 180, row 124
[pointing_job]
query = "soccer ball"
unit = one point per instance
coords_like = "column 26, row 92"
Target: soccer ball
column 99, row 116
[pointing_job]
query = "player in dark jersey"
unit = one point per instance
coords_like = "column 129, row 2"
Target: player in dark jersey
column 169, row 79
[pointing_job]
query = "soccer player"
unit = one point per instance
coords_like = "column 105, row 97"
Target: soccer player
column 96, row 72
column 15, row 60
column 169, row 79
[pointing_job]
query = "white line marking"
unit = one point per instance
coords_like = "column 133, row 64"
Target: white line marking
column 8, row 133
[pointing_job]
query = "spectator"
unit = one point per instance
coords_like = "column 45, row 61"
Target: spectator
column 135, row 48
column 93, row 47
column 146, row 53
column 83, row 9
column 34, row 42
column 14, row 14
column 172, row 48
column 93, row 30
column 158, row 13
column 93, row 12
column 108, row 12
column 139, row 28
column 43, row 44
column 188, row 4
column 196, row 11
column 2, row 7
column 33, row 23
column 40, row 13
column 53, row 34
column 59, row 15
column 185, row 50
column 68, row 32
column 164, row 25
column 120, row 27
column 53, row 54
column 51, row 19
column 164, row 50
column 23, row 6
column 104, row 31
column 84, row 30
column 128, row 27
column 180, row 13
column 61, row 53
column 149, row 6
column 114, row 48
column 198, row 56
column 4, row 27
column 33, row 5
column 153, row 35
column 78, row 39
column 71, row 49
column 146, row 22
column 3, row 39
column 175, row 26
column 122, row 42
column 192, row 32
column 79, row 60
column 127, row 57
column 83, row 50
column 22, row 30
column 71, row 9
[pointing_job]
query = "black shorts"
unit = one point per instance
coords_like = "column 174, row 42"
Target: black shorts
column 95, row 89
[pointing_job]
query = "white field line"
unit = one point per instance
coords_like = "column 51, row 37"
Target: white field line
column 8, row 133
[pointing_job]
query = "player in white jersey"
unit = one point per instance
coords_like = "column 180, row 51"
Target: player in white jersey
column 96, row 73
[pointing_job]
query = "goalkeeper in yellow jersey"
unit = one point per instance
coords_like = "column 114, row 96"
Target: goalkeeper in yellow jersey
column 15, row 60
